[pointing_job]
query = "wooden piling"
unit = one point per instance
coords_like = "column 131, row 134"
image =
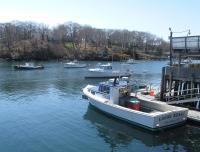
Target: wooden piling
column 179, row 83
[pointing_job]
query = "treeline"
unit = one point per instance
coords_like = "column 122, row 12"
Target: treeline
column 28, row 40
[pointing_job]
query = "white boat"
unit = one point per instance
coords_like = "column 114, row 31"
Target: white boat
column 74, row 64
column 131, row 61
column 28, row 66
column 106, row 71
column 187, row 61
column 183, row 62
column 113, row 97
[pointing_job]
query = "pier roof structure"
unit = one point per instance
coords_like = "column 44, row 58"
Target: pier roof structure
column 188, row 45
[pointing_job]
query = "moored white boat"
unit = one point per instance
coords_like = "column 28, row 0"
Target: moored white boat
column 74, row 64
column 106, row 71
column 113, row 97
column 131, row 61
column 28, row 66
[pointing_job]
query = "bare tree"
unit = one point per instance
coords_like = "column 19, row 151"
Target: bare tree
column 27, row 37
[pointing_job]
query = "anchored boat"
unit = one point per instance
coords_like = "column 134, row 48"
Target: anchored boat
column 106, row 71
column 131, row 61
column 114, row 98
column 28, row 66
column 74, row 64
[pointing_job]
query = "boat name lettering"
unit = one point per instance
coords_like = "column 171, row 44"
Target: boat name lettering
column 165, row 117
column 178, row 114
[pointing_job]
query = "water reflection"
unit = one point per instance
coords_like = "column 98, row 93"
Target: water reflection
column 116, row 132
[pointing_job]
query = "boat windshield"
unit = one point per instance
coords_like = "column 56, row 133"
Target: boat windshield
column 103, row 87
column 28, row 64
column 71, row 63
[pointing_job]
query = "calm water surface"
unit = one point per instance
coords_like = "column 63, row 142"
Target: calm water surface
column 43, row 111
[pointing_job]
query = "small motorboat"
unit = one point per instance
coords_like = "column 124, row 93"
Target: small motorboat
column 106, row 71
column 114, row 98
column 184, row 62
column 28, row 66
column 74, row 64
column 131, row 61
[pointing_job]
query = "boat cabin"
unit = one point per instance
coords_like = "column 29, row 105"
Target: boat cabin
column 105, row 66
column 118, row 92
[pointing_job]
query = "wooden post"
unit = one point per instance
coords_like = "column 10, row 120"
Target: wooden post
column 184, row 88
column 170, row 47
column 176, row 88
column 179, row 60
column 163, row 85
column 170, row 83
column 192, row 89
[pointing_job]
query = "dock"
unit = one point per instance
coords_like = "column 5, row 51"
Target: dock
column 180, row 81
column 194, row 116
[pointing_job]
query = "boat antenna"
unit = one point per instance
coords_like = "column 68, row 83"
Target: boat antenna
column 115, row 80
column 112, row 57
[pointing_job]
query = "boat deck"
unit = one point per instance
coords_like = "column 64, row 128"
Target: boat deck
column 193, row 115
column 147, row 110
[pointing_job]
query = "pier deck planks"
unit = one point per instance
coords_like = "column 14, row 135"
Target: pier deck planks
column 194, row 115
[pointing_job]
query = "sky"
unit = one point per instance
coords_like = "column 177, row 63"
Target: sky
column 154, row 16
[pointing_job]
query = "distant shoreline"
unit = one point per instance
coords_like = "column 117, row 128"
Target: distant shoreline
column 32, row 41
column 70, row 59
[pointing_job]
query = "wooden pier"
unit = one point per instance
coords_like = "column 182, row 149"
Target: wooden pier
column 180, row 82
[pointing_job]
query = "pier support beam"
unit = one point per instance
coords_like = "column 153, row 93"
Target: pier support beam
column 163, row 85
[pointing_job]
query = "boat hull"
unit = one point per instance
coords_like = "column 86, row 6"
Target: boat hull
column 75, row 66
column 18, row 67
column 138, row 124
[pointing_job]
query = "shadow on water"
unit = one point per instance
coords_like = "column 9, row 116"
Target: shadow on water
column 116, row 132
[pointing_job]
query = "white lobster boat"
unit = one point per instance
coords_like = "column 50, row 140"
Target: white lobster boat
column 113, row 97
column 106, row 71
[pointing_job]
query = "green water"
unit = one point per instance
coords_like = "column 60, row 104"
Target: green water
column 43, row 111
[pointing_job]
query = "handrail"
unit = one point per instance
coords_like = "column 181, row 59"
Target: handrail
column 169, row 96
column 180, row 97
column 183, row 90
column 104, row 93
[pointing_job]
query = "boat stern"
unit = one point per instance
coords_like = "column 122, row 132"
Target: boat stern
column 170, row 118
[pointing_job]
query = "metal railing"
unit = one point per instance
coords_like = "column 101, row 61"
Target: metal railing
column 187, row 42
column 104, row 94
column 182, row 94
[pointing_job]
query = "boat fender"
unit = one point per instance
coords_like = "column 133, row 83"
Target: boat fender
column 151, row 92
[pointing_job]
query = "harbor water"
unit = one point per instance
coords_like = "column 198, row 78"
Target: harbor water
column 43, row 111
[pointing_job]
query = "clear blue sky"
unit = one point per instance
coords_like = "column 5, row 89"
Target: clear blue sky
column 154, row 16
